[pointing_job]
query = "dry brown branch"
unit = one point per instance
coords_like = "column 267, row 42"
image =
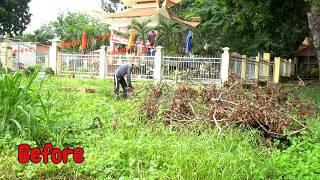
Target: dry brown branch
column 266, row 108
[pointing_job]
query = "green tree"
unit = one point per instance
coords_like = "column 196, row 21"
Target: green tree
column 112, row 5
column 168, row 33
column 41, row 35
column 69, row 27
column 14, row 16
column 250, row 26
column 142, row 29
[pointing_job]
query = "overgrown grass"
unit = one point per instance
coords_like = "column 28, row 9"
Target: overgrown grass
column 130, row 146
column 17, row 106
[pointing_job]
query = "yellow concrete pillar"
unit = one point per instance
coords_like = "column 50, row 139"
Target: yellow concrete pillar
column 266, row 57
column 276, row 72
column 244, row 67
column 257, row 68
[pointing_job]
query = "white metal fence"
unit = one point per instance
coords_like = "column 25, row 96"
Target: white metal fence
column 205, row 69
column 235, row 65
column 146, row 65
column 80, row 64
column 27, row 54
column 251, row 68
column 202, row 69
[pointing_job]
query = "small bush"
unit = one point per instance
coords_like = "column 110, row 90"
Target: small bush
column 29, row 71
column 5, row 71
column 49, row 71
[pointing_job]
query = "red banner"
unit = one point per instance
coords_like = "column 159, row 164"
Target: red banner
column 72, row 43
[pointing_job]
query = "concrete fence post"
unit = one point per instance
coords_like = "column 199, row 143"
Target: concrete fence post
column 53, row 55
column 289, row 68
column 276, row 72
column 266, row 57
column 157, row 73
column 244, row 67
column 257, row 68
column 225, row 65
column 6, row 54
column 102, row 62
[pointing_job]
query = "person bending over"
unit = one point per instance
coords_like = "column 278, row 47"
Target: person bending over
column 125, row 69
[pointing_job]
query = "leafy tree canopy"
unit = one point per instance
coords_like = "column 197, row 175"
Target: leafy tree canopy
column 14, row 16
column 112, row 5
column 69, row 27
column 250, row 26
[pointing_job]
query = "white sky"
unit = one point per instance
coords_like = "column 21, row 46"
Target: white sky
column 44, row 11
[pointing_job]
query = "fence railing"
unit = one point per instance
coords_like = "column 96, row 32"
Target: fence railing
column 146, row 64
column 235, row 65
column 207, row 69
column 251, row 64
column 260, row 68
column 180, row 68
column 80, row 64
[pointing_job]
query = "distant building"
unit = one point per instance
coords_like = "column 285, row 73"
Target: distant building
column 155, row 10
column 307, row 65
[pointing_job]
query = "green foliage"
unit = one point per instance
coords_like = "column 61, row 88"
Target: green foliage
column 128, row 146
column 112, row 6
column 69, row 27
column 49, row 71
column 29, row 71
column 249, row 26
column 168, row 36
column 41, row 35
column 6, row 71
column 142, row 29
column 301, row 159
column 14, row 16
column 315, row 5
column 17, row 116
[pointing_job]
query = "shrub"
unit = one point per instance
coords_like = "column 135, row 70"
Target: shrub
column 29, row 71
column 49, row 71
column 5, row 71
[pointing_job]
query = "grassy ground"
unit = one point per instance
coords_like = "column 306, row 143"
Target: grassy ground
column 130, row 146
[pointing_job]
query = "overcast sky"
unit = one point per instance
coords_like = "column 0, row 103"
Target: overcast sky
column 44, row 11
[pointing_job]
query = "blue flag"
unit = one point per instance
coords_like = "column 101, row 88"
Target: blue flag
column 188, row 42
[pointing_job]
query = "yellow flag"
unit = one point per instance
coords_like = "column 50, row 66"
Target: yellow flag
column 131, row 38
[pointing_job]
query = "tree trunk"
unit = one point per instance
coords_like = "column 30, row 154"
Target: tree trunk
column 314, row 25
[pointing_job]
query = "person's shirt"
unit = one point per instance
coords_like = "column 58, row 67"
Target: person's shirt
column 123, row 70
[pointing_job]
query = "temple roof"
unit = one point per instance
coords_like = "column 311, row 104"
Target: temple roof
column 133, row 12
column 133, row 3
column 147, row 9
column 305, row 49
column 188, row 23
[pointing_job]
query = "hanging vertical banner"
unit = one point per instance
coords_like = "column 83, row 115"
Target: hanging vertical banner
column 131, row 38
column 84, row 40
column 188, row 42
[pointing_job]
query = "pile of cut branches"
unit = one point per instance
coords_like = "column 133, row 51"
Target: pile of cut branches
column 270, row 109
